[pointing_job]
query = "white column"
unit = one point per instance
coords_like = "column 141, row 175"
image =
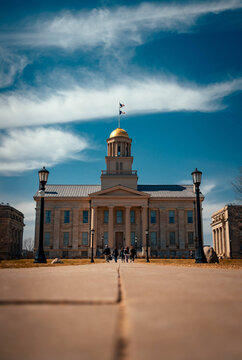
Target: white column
column 75, row 232
column 56, row 240
column 162, row 229
column 110, row 227
column 224, row 242
column 127, row 225
column 144, row 224
column 214, row 241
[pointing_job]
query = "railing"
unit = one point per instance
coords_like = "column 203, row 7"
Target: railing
column 119, row 172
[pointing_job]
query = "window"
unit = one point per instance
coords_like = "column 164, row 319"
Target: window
column 189, row 216
column 153, row 217
column 47, row 216
column 118, row 150
column 132, row 238
column 121, row 166
column 132, row 217
column 117, row 166
column 190, row 238
column 172, row 237
column 105, row 238
column 106, row 214
column 66, row 239
column 47, row 238
column 85, row 238
column 171, row 216
column 66, row 216
column 85, row 216
column 65, row 254
column 153, row 238
column 119, row 216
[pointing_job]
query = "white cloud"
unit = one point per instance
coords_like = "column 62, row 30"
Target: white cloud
column 24, row 108
column 207, row 187
column 11, row 65
column 26, row 149
column 114, row 26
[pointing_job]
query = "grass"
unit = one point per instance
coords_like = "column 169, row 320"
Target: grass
column 223, row 263
column 29, row 263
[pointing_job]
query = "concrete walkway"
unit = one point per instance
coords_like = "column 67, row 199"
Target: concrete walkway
column 120, row 311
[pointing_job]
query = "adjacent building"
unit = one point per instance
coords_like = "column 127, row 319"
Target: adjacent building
column 119, row 210
column 11, row 232
column 227, row 231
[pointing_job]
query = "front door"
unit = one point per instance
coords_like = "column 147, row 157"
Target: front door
column 119, row 240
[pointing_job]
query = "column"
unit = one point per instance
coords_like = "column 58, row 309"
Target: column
column 224, row 242
column 144, row 224
column 95, row 227
column 162, row 229
column 127, row 226
column 75, row 232
column 56, row 240
column 110, row 227
column 214, row 241
column 220, row 242
column 181, row 230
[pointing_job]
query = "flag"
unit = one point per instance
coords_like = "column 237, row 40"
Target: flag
column 121, row 112
column 121, row 105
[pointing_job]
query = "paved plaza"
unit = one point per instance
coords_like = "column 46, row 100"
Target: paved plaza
column 120, row 311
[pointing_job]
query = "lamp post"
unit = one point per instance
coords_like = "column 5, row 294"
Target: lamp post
column 200, row 257
column 92, row 236
column 147, row 245
column 43, row 177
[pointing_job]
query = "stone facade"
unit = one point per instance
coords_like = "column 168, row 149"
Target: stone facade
column 11, row 232
column 227, row 232
column 119, row 210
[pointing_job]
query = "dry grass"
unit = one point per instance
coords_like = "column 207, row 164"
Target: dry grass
column 223, row 264
column 29, row 263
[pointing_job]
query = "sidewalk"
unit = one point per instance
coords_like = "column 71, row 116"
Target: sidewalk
column 120, row 311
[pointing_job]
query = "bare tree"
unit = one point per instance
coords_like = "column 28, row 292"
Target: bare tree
column 28, row 244
column 237, row 185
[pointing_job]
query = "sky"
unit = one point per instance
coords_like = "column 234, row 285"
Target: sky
column 64, row 67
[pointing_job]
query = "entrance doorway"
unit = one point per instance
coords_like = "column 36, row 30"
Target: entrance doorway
column 119, row 239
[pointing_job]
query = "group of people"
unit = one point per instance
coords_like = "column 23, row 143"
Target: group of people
column 125, row 254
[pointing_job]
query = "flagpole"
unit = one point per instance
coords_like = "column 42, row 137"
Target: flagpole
column 119, row 114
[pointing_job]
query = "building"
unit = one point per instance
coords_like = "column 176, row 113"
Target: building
column 122, row 211
column 11, row 232
column 227, row 231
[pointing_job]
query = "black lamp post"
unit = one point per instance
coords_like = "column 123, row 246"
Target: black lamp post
column 43, row 177
column 92, row 238
column 147, row 245
column 135, row 242
column 200, row 257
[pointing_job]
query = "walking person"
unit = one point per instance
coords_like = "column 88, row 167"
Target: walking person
column 122, row 257
column 126, row 254
column 115, row 254
column 107, row 253
column 132, row 253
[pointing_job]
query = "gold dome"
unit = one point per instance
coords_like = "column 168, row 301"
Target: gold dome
column 118, row 132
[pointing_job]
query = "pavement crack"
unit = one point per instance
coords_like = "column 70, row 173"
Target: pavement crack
column 122, row 342
column 57, row 302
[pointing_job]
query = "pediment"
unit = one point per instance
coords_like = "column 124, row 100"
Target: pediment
column 119, row 191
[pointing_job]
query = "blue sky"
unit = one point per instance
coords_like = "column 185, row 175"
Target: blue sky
column 176, row 65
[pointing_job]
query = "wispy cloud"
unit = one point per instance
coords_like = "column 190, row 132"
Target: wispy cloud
column 112, row 26
column 84, row 103
column 26, row 149
column 11, row 65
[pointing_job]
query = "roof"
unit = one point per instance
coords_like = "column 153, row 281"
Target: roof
column 159, row 191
